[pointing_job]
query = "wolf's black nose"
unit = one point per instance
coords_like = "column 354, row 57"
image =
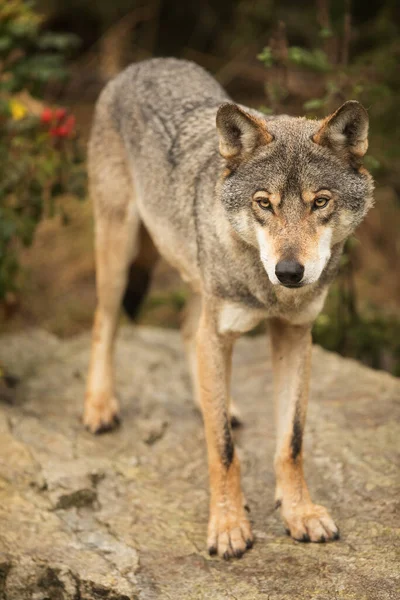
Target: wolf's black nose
column 289, row 272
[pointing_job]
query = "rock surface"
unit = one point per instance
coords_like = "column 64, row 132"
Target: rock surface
column 123, row 516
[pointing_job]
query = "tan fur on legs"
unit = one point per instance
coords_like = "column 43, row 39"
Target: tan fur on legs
column 291, row 355
column 117, row 225
column 114, row 252
column 229, row 531
column 190, row 324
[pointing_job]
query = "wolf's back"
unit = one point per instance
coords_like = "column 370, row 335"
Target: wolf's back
column 161, row 93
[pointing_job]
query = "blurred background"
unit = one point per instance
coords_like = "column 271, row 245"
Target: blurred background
column 275, row 55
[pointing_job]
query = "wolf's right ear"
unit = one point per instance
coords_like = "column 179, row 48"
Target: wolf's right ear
column 239, row 132
column 346, row 131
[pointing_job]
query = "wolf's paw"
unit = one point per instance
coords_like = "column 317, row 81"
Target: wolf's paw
column 229, row 535
column 101, row 415
column 310, row 523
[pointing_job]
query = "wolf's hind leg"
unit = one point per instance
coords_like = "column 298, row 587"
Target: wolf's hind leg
column 117, row 226
column 291, row 356
column 114, row 253
column 191, row 318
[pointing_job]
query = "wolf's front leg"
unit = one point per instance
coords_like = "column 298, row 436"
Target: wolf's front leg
column 291, row 356
column 229, row 532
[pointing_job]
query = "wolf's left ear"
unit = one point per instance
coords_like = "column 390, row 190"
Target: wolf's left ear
column 346, row 131
column 239, row 132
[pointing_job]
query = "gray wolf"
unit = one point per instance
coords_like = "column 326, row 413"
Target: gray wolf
column 253, row 211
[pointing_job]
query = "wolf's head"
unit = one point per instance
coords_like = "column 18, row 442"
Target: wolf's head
column 294, row 187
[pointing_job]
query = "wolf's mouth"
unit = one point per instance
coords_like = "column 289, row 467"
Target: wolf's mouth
column 292, row 285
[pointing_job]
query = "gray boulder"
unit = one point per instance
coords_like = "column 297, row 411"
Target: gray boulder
column 123, row 516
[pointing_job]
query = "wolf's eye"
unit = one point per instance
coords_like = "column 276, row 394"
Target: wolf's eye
column 320, row 202
column 264, row 203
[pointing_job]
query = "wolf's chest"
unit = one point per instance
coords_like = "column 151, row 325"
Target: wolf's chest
column 239, row 318
column 235, row 317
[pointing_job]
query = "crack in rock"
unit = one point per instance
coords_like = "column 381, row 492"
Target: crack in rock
column 78, row 499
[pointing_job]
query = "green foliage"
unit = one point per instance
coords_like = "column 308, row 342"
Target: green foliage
column 366, row 334
column 361, row 63
column 40, row 159
column 314, row 104
column 265, row 109
column 325, row 33
column 266, row 57
column 314, row 59
column 29, row 58
column 373, row 339
column 369, row 336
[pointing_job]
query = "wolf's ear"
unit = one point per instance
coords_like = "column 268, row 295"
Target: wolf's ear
column 239, row 132
column 346, row 131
